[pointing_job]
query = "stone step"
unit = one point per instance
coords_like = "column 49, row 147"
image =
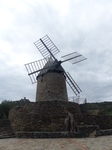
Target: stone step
column 6, row 132
column 104, row 132
column 7, row 136
column 6, row 129
column 8, row 124
column 48, row 134
column 2, row 121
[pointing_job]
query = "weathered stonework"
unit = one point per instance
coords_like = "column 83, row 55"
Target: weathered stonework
column 104, row 122
column 47, row 135
column 49, row 116
column 42, row 116
column 50, row 87
column 6, row 129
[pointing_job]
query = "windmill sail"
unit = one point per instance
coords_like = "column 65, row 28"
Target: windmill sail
column 73, row 85
column 46, row 47
column 73, row 58
column 34, row 68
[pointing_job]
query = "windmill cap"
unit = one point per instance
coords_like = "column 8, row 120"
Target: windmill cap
column 51, row 66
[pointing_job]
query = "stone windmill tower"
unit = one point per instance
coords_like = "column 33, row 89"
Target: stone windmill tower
column 49, row 74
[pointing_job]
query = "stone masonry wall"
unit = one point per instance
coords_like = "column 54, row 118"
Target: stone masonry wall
column 53, row 86
column 6, row 129
column 42, row 116
column 49, row 117
column 104, row 122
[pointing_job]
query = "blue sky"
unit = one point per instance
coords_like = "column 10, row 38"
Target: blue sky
column 83, row 26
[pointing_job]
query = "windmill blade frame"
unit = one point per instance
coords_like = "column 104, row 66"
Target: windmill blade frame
column 73, row 85
column 73, row 57
column 35, row 67
column 46, row 47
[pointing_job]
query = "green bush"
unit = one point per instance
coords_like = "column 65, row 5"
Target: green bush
column 5, row 107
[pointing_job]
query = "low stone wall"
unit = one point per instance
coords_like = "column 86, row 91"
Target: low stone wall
column 83, row 131
column 6, row 129
column 104, row 122
column 104, row 132
column 50, row 116
column 47, row 135
column 42, row 116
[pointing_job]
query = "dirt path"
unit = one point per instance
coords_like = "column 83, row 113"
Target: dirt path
column 100, row 143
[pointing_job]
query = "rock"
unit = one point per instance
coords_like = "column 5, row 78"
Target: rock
column 70, row 123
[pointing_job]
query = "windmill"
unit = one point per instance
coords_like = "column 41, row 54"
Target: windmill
column 49, row 74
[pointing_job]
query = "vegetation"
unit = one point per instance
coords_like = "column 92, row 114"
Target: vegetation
column 103, row 108
column 6, row 106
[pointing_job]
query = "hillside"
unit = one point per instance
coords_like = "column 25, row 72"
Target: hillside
column 102, row 108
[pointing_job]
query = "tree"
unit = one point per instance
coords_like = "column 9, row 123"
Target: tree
column 5, row 107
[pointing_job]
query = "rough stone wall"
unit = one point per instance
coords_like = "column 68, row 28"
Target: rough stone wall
column 5, row 129
column 104, row 122
column 42, row 116
column 51, row 87
column 49, row 116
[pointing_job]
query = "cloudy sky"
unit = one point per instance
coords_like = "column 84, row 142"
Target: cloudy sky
column 84, row 26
